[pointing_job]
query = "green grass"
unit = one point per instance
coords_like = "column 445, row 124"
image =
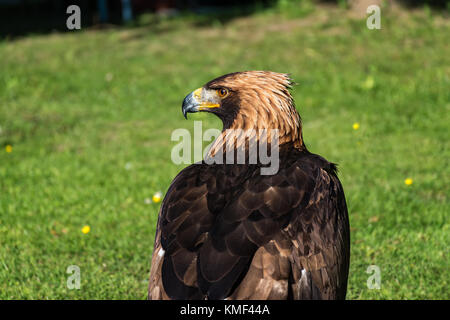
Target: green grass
column 87, row 151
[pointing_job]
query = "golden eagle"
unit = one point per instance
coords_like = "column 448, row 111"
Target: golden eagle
column 227, row 231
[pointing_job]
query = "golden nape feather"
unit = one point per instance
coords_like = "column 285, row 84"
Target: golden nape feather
column 230, row 231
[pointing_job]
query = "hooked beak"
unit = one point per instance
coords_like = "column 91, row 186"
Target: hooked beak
column 190, row 104
column 193, row 102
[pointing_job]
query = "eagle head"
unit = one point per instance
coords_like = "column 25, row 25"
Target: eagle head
column 250, row 100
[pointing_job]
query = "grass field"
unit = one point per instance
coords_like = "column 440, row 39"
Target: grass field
column 86, row 119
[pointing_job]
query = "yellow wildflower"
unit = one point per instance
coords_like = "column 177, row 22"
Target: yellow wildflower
column 157, row 197
column 369, row 83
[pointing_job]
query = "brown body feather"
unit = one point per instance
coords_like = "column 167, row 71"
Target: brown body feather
column 227, row 232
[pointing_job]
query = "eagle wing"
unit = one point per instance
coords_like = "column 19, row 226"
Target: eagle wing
column 308, row 259
column 228, row 231
column 320, row 237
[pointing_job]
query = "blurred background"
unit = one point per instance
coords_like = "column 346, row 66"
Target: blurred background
column 20, row 17
column 86, row 118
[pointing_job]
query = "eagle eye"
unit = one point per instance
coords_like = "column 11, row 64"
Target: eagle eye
column 222, row 92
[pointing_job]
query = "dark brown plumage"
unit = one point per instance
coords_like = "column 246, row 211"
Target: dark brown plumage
column 227, row 231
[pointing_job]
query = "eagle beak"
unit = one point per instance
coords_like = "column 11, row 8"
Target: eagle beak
column 190, row 104
column 193, row 102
